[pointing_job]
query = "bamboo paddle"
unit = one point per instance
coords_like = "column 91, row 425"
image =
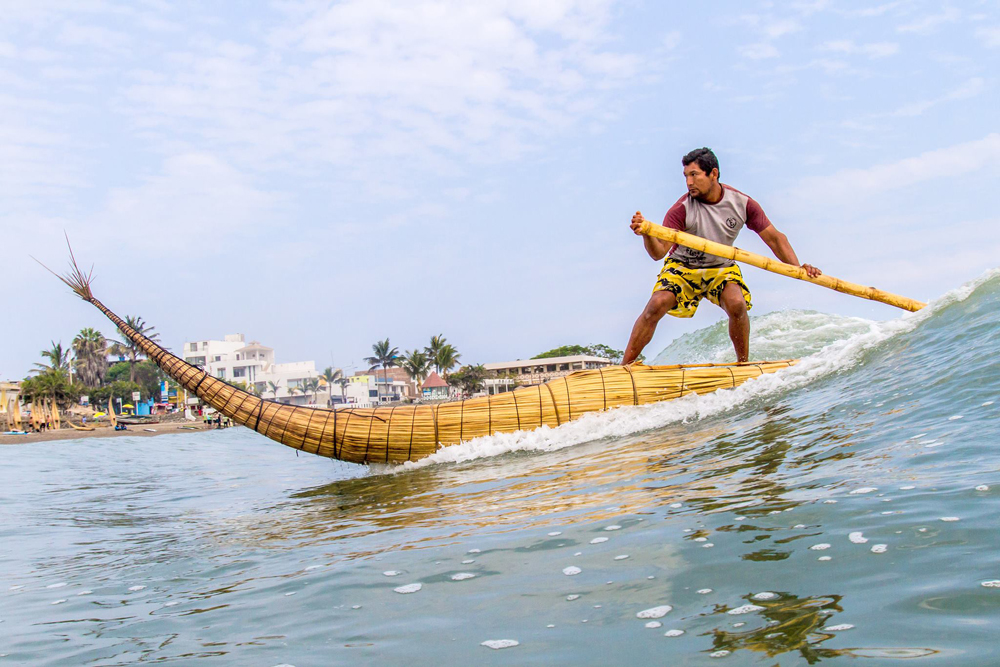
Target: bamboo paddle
column 776, row 266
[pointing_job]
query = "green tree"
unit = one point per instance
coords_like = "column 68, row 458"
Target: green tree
column 58, row 359
column 119, row 389
column 292, row 390
column 385, row 356
column 469, row 379
column 432, row 350
column 52, row 383
column 416, row 364
column 331, row 375
column 310, row 386
column 91, row 351
column 130, row 349
column 446, row 359
column 273, row 387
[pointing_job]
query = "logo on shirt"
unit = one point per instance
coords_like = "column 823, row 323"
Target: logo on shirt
column 732, row 222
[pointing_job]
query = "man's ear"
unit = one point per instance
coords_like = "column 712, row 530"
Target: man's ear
column 715, row 173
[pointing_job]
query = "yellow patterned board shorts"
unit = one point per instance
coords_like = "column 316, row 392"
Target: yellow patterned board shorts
column 690, row 285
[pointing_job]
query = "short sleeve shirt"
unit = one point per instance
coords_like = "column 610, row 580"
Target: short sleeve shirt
column 720, row 222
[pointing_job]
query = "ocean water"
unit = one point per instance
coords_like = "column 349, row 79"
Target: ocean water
column 840, row 511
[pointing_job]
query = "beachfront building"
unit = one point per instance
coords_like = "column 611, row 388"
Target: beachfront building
column 510, row 374
column 391, row 384
column 233, row 360
column 434, row 388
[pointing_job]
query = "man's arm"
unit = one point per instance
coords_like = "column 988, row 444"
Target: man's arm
column 655, row 248
column 782, row 249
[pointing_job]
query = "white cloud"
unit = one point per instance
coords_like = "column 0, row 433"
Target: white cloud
column 946, row 163
column 990, row 36
column 872, row 50
column 930, row 22
column 968, row 89
column 759, row 51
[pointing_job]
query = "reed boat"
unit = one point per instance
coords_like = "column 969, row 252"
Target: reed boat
column 400, row 433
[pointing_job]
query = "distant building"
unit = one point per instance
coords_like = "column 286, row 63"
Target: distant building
column 233, row 360
column 434, row 388
column 393, row 384
column 537, row 371
column 10, row 397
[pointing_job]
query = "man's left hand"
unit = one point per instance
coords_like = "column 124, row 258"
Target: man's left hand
column 812, row 271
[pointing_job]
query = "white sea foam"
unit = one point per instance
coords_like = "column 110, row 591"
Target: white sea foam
column 572, row 570
column 992, row 583
column 621, row 557
column 392, row 573
column 857, row 537
column 468, row 561
column 880, row 548
column 673, row 633
column 500, row 643
column 765, row 595
column 59, row 601
column 703, row 591
column 719, row 654
column 864, row 489
column 982, row 487
column 745, row 609
column 59, row 585
column 408, row 588
column 612, row 528
column 820, row 547
column 462, row 576
column 598, row 540
column 136, row 588
column 572, row 597
column 654, row 624
column 838, row 628
column 655, row 612
column 554, row 533
column 950, row 518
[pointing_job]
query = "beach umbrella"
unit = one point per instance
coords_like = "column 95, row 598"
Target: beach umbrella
column 128, row 405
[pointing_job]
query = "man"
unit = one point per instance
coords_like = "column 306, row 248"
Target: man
column 717, row 212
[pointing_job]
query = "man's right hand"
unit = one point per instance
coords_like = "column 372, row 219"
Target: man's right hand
column 637, row 221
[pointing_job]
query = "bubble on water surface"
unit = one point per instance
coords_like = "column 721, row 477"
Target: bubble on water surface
column 765, row 595
column 820, row 547
column 357, row 606
column 863, row 489
column 655, row 612
column 831, row 501
column 462, row 576
column 741, row 518
column 707, row 545
column 857, row 537
column 59, row 601
column 572, row 597
column 993, row 583
column 703, row 591
column 571, row 570
column 612, row 528
column 839, row 628
column 739, row 625
column 825, row 558
column 598, row 540
column 172, row 603
column 982, row 487
column 136, row 588
column 474, row 551
column 673, row 633
column 554, row 533
column 719, row 654
column 468, row 561
column 908, row 487
column 408, row 588
column 550, row 625
column 289, row 594
column 500, row 643
column 950, row 518
column 954, row 417
column 392, row 573
column 799, row 526
column 59, row 585
column 880, row 548
column 578, row 553
column 621, row 557
column 744, row 609
column 654, row 624
column 701, row 539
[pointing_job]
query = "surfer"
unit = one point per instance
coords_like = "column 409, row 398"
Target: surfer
column 714, row 211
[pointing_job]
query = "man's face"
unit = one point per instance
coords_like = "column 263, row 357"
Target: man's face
column 699, row 183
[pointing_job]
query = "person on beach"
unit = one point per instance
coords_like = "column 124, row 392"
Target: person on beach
column 717, row 212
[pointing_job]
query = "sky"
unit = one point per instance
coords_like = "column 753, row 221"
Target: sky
column 322, row 175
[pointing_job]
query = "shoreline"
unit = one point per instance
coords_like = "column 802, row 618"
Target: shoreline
column 104, row 432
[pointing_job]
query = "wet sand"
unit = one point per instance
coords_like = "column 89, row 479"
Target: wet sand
column 103, row 432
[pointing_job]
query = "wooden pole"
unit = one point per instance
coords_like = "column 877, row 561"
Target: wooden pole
column 776, row 266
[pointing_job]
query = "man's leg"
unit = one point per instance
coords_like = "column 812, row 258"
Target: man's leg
column 735, row 305
column 642, row 332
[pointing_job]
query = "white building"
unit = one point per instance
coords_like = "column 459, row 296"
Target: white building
column 537, row 371
column 233, row 360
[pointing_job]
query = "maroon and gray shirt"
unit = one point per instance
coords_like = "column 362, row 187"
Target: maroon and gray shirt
column 720, row 222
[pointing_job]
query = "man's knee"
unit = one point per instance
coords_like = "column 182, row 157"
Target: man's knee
column 658, row 306
column 733, row 302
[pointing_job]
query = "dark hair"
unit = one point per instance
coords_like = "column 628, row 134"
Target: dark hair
column 704, row 157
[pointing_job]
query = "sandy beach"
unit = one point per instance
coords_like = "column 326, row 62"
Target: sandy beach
column 103, row 432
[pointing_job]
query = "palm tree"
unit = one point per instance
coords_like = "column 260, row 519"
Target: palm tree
column 273, row 387
column 432, row 350
column 385, row 356
column 331, row 375
column 447, row 358
column 91, row 350
column 292, row 391
column 417, row 364
column 58, row 359
column 310, row 386
column 129, row 348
